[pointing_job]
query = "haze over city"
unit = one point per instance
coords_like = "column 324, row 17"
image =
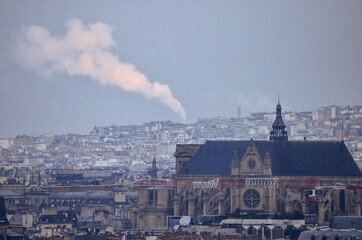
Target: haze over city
column 168, row 60
column 158, row 119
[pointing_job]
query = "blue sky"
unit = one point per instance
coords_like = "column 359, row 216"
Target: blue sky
column 213, row 56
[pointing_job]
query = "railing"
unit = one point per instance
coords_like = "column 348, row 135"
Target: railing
column 284, row 182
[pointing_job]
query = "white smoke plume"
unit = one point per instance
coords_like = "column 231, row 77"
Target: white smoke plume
column 84, row 50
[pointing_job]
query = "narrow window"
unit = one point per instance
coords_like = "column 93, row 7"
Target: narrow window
column 342, row 201
column 150, row 195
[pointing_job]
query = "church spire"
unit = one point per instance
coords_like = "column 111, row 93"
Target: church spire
column 154, row 163
column 152, row 172
column 278, row 133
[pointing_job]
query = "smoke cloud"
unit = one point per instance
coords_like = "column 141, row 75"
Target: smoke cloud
column 85, row 50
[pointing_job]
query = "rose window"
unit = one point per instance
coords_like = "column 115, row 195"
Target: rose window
column 251, row 198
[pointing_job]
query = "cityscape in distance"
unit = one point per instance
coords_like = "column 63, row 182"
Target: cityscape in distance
column 72, row 184
column 135, row 146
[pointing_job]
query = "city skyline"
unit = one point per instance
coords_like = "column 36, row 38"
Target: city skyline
column 212, row 56
column 331, row 117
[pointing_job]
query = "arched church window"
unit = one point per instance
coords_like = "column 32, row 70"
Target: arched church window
column 252, row 231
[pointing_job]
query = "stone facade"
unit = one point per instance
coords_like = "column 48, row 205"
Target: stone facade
column 154, row 205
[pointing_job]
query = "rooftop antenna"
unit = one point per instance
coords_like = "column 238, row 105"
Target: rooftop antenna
column 278, row 98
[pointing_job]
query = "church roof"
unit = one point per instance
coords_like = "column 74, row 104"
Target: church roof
column 288, row 158
column 278, row 122
column 3, row 218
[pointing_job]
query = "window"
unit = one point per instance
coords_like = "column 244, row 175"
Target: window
column 171, row 194
column 342, row 205
column 251, row 163
column 251, row 198
column 150, row 195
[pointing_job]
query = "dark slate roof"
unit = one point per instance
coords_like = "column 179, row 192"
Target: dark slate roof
column 278, row 122
column 83, row 198
column 12, row 234
column 3, row 218
column 89, row 224
column 55, row 219
column 7, row 194
column 289, row 158
column 16, row 219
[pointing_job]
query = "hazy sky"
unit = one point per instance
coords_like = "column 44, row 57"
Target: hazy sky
column 66, row 66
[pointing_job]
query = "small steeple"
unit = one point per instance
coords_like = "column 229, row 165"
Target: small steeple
column 152, row 172
column 154, row 163
column 278, row 133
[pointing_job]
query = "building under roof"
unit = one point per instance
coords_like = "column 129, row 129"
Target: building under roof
column 305, row 180
column 311, row 179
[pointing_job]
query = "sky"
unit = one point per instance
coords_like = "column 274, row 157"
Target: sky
column 67, row 66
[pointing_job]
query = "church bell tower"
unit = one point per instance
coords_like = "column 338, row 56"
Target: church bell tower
column 278, row 133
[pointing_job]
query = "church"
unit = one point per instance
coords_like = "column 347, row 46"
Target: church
column 277, row 178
